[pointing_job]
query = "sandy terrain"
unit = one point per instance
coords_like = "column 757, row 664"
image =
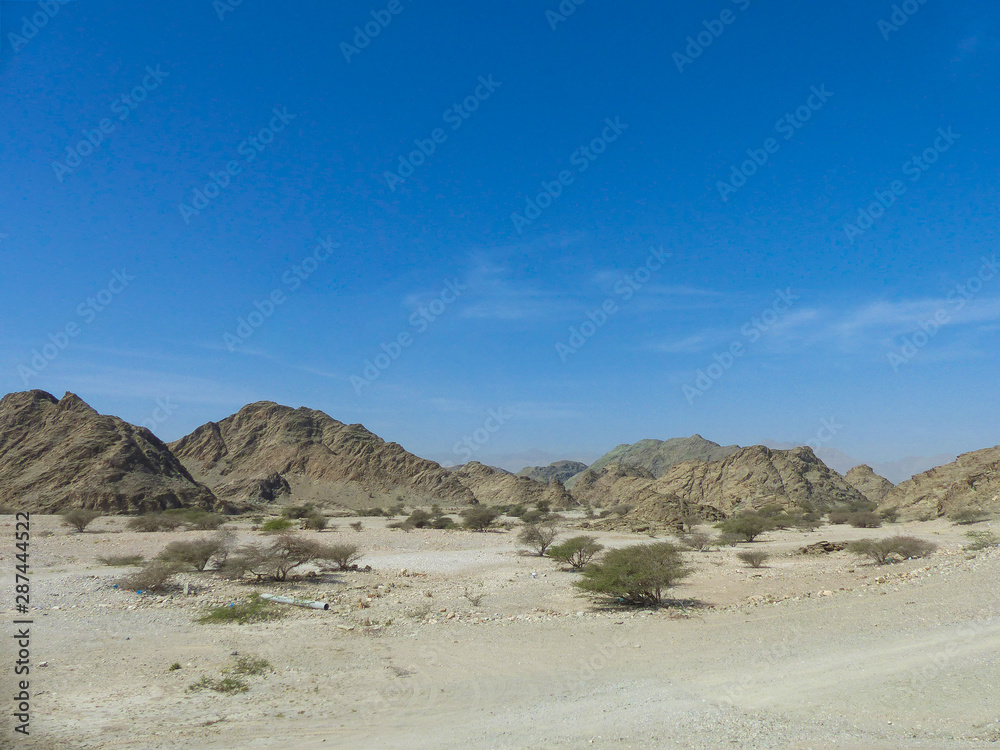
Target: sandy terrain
column 810, row 652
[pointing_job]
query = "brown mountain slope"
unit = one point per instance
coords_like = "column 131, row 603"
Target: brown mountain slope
column 60, row 453
column 747, row 480
column 494, row 486
column 864, row 479
column 253, row 453
column 972, row 480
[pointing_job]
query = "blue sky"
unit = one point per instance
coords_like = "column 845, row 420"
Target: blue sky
column 285, row 201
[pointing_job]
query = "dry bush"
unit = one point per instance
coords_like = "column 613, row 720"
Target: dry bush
column 982, row 540
column 699, row 541
column 344, row 555
column 539, row 536
column 357, row 525
column 838, row 516
column 755, row 558
column 967, row 516
column 153, row 576
column 315, row 522
column 121, row 560
column 881, row 551
column 286, row 552
column 154, row 522
column 80, row 518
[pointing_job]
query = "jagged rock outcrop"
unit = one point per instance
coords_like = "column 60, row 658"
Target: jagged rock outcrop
column 659, row 456
column 747, row 480
column 60, row 453
column 494, row 486
column 971, row 481
column 559, row 470
column 266, row 450
column 864, row 479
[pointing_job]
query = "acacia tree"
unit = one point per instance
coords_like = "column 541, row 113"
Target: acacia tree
column 286, row 552
column 639, row 575
column 577, row 551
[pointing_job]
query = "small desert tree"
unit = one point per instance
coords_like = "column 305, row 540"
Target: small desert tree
column 282, row 555
column 153, row 576
column 747, row 525
column 576, row 552
column 80, row 518
column 197, row 553
column 755, row 558
column 344, row 555
column 478, row 518
column 881, row 550
column 639, row 575
column 539, row 536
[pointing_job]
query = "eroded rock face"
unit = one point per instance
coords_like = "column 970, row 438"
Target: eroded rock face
column 749, row 479
column 314, row 455
column 494, row 486
column 864, row 479
column 971, row 481
column 558, row 470
column 60, row 453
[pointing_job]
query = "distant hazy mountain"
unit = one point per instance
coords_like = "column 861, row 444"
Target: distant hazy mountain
column 658, row 456
column 561, row 470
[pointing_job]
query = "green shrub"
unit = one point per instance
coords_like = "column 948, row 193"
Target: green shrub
column 576, row 552
column 754, row 558
column 639, row 575
column 195, row 553
column 225, row 685
column 252, row 665
column 689, row 521
column 371, row 512
column 544, row 507
column 478, row 518
column 881, row 551
column 356, row 525
column 315, row 522
column 621, row 509
column 698, row 541
column 254, row 609
column 532, row 516
column 80, row 518
column 174, row 667
column 443, row 522
column 419, row 519
column 276, row 526
column 864, row 519
column 298, row 511
column 838, row 516
column 890, row 515
column 748, row 526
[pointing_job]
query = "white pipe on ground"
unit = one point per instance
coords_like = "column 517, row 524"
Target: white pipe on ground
column 295, row 602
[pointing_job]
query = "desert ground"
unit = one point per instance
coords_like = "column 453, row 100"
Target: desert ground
column 456, row 640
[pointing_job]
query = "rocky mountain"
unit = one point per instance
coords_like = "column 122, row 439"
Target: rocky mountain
column 971, row 481
column 864, row 479
column 658, row 456
column 60, row 453
column 559, row 470
column 493, row 486
column 748, row 479
column 266, row 451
